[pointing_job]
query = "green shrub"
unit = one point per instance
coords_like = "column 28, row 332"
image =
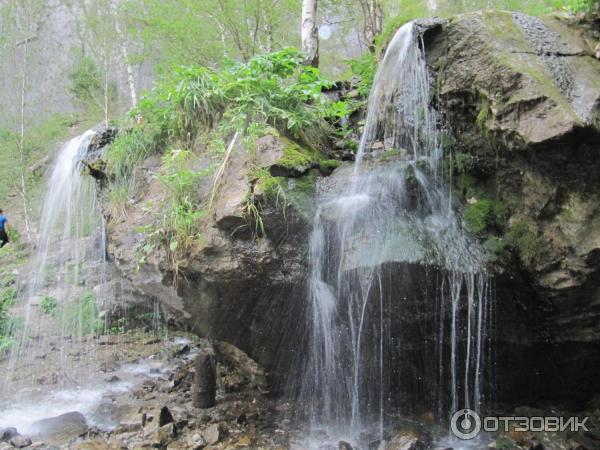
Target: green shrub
column 180, row 225
column 275, row 89
column 129, row 149
column 363, row 68
column 48, row 305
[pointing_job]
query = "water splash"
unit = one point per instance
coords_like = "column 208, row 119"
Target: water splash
column 387, row 251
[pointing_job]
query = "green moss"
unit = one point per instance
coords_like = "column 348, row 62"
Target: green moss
column 528, row 242
column 329, row 165
column 266, row 183
column 485, row 215
column 390, row 154
column 484, row 114
column 299, row 159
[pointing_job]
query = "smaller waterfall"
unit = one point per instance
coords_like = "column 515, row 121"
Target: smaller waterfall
column 60, row 306
column 398, row 299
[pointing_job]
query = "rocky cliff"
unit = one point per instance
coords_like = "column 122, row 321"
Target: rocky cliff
column 519, row 97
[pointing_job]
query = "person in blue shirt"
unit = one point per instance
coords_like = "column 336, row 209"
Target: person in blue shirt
column 3, row 229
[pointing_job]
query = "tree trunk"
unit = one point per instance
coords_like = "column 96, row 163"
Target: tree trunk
column 23, row 184
column 310, row 37
column 125, row 55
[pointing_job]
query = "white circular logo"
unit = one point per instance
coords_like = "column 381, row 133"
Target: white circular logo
column 465, row 424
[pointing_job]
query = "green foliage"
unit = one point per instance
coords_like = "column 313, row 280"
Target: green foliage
column 48, row 305
column 81, row 317
column 119, row 327
column 485, row 215
column 484, row 113
column 528, row 242
column 130, row 148
column 273, row 90
column 181, row 224
column 86, row 82
column 363, row 68
column 40, row 142
column 408, row 10
column 204, row 32
column 7, row 298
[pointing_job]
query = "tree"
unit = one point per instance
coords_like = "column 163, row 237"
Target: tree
column 21, row 24
column 372, row 19
column 309, row 33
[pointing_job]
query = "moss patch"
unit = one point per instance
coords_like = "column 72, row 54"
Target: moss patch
column 297, row 160
column 528, row 242
column 486, row 215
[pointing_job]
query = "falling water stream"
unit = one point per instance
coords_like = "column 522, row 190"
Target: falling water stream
column 387, row 250
column 55, row 364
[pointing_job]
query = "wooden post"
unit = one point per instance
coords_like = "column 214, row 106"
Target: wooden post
column 205, row 380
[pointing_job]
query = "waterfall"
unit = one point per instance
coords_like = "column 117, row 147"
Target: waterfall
column 399, row 301
column 60, row 307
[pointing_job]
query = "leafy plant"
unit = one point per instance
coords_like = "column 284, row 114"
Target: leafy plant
column 363, row 68
column 48, row 305
column 180, row 225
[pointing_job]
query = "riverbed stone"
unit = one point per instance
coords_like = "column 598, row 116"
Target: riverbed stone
column 20, row 441
column 61, row 429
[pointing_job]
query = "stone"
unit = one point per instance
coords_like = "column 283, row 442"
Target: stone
column 20, row 441
column 128, row 427
column 165, row 417
column 343, row 445
column 7, row 433
column 205, row 380
column 212, row 434
column 406, row 441
column 164, row 435
column 61, row 429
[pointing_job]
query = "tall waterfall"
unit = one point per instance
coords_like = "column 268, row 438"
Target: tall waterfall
column 69, row 261
column 399, row 301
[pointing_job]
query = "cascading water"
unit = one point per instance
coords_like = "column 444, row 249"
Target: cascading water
column 399, row 301
column 60, row 307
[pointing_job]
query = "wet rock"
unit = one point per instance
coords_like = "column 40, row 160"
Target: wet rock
column 61, row 429
column 406, row 441
column 205, row 380
column 112, row 379
column 20, row 441
column 343, row 445
column 128, row 427
column 8, row 433
column 165, row 417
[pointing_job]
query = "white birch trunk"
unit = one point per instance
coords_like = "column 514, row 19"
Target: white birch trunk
column 309, row 33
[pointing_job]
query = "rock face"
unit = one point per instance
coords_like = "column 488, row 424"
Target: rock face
column 522, row 98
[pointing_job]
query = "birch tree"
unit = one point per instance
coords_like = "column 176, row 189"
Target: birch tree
column 309, row 32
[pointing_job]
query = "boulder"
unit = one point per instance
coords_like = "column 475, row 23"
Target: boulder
column 60, row 429
column 20, row 441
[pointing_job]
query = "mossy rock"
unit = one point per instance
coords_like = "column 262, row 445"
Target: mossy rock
column 486, row 215
column 529, row 243
column 297, row 160
column 298, row 192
